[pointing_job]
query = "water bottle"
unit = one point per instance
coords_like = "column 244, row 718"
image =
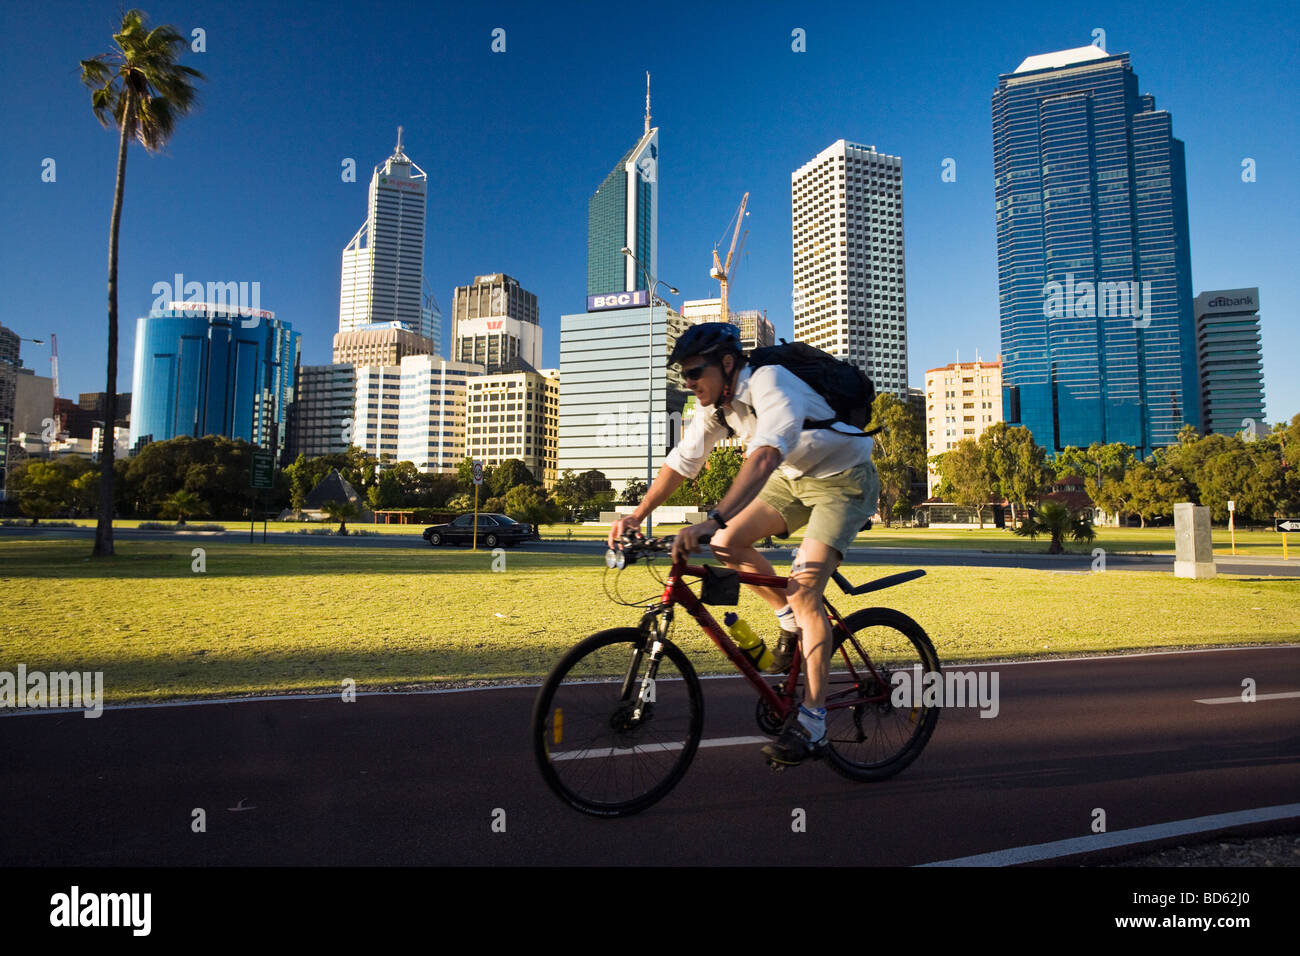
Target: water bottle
column 750, row 644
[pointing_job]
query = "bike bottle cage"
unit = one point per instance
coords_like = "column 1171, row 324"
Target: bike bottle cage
column 721, row 586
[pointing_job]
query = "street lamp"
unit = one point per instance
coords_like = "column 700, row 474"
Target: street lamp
column 651, row 284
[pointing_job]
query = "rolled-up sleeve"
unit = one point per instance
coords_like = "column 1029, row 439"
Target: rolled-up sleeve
column 690, row 454
column 778, row 409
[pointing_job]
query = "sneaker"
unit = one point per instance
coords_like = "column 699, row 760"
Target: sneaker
column 783, row 651
column 794, row 746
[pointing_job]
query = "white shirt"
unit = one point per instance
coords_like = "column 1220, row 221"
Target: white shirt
column 769, row 408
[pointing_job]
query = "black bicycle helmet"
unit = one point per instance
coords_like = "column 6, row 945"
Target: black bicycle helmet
column 705, row 338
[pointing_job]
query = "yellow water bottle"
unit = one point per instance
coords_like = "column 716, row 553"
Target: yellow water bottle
column 750, row 644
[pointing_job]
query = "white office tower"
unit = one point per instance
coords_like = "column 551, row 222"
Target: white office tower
column 431, row 413
column 849, row 292
column 515, row 415
column 383, row 265
column 494, row 323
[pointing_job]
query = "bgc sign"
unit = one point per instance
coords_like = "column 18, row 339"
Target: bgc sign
column 617, row 300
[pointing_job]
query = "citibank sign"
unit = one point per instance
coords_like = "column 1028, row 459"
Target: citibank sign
column 618, row 300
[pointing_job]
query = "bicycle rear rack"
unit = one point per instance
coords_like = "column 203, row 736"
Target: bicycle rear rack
column 879, row 584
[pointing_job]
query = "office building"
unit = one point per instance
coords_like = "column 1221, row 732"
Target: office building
column 612, row 370
column 205, row 369
column 413, row 411
column 624, row 212
column 961, row 401
column 1231, row 361
column 495, row 323
column 756, row 331
column 382, row 279
column 515, row 414
column 850, row 294
column 1094, row 265
column 379, row 345
column 321, row 416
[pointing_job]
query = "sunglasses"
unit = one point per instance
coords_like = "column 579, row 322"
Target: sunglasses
column 693, row 373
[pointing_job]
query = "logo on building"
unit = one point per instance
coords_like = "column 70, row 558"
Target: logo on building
column 618, row 300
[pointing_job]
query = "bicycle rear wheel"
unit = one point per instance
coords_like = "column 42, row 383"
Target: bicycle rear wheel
column 613, row 730
column 870, row 738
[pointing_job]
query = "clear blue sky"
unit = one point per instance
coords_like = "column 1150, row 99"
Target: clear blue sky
column 515, row 143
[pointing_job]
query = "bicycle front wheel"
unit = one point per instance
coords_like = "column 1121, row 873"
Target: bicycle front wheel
column 871, row 738
column 615, row 729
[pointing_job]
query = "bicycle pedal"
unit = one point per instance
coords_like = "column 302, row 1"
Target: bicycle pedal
column 775, row 766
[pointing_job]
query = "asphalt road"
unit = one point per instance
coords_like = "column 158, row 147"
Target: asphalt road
column 422, row 778
column 1078, row 562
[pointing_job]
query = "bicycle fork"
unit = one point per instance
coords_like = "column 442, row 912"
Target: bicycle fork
column 654, row 627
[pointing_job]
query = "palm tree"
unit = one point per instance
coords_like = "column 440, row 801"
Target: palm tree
column 1055, row 519
column 141, row 90
column 340, row 511
column 183, row 503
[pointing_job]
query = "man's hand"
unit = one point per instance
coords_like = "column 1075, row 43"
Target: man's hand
column 688, row 539
column 621, row 527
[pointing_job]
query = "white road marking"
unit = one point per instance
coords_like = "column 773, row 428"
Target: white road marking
column 1238, row 700
column 1104, row 841
column 654, row 748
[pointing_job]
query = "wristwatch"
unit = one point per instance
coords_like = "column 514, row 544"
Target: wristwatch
column 714, row 515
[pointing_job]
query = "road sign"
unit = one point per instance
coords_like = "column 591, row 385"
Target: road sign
column 478, row 472
column 262, row 473
column 1286, row 524
column 1232, row 505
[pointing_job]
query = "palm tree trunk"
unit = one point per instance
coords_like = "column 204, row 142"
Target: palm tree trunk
column 104, row 529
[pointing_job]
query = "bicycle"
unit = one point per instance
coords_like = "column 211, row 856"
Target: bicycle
column 633, row 703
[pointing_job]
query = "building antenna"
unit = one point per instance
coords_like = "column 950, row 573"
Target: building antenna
column 647, row 101
column 399, row 141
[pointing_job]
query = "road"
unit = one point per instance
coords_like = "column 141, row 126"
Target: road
column 1126, row 742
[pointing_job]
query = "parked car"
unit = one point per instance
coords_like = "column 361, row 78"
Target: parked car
column 493, row 530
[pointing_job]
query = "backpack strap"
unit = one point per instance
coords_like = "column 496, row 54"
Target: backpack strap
column 829, row 422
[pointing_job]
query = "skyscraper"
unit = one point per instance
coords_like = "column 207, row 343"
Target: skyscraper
column 850, row 293
column 494, row 322
column 204, row 369
column 383, row 265
column 1094, row 268
column 1231, row 363
column 624, row 212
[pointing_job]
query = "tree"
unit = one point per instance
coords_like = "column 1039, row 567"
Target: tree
column 182, row 503
column 1057, row 520
column 509, row 474
column 633, row 492
column 966, row 467
column 465, row 477
column 1016, row 462
column 899, row 452
column 340, row 511
column 141, row 90
column 43, row 489
column 386, row 493
column 529, row 503
column 717, row 475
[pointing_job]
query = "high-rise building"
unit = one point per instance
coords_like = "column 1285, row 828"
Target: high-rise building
column 321, row 416
column 1094, row 266
column 413, row 411
column 612, row 370
column 515, row 415
column 494, row 323
column 961, row 401
column 624, row 212
column 850, row 294
column 756, row 330
column 379, row 345
column 383, row 264
column 10, row 362
column 207, row 369
column 1231, row 362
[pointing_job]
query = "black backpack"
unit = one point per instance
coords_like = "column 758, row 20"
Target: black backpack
column 847, row 389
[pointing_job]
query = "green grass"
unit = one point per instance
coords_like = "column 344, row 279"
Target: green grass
column 304, row 618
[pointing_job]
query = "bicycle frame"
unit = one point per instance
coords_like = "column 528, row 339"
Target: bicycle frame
column 655, row 621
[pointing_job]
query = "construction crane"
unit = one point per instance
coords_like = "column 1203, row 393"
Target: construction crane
column 724, row 272
column 54, row 362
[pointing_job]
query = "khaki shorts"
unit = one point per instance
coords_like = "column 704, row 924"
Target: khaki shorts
column 834, row 508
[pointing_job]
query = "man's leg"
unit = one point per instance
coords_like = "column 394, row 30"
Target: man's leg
column 807, row 585
column 734, row 546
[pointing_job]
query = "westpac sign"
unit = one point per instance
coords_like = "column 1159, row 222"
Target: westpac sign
column 618, row 300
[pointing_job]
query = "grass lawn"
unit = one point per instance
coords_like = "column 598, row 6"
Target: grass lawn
column 298, row 617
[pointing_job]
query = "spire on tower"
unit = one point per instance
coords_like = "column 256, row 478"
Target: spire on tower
column 647, row 101
column 399, row 141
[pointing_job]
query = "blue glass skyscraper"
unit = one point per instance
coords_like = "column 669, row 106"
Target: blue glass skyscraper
column 201, row 369
column 1094, row 264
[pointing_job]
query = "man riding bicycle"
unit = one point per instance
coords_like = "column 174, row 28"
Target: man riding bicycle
column 792, row 476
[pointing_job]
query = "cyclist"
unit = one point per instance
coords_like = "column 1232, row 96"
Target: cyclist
column 792, row 476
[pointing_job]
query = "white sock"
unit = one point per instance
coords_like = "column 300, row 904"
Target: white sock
column 785, row 617
column 814, row 721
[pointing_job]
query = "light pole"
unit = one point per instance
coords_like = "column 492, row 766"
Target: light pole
column 651, row 284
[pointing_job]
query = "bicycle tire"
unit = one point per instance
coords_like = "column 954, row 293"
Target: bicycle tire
column 616, row 770
column 875, row 741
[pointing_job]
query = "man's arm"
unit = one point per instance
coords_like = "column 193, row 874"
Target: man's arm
column 666, row 482
column 753, row 474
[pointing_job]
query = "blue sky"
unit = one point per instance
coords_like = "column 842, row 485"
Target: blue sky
column 515, row 143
